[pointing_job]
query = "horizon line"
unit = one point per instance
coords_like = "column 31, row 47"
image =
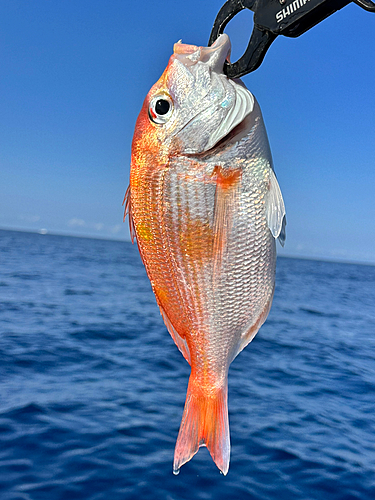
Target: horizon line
column 45, row 232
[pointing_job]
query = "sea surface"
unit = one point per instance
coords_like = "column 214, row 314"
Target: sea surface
column 92, row 386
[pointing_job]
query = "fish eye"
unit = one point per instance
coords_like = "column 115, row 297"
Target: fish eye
column 160, row 109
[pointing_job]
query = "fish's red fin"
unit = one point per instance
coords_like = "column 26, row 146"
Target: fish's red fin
column 226, row 202
column 128, row 211
column 204, row 423
column 178, row 340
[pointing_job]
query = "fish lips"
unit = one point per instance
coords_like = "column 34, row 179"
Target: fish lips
column 213, row 56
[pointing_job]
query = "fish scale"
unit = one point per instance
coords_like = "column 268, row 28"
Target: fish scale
column 206, row 209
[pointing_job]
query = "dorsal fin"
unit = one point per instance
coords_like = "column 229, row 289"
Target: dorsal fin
column 128, row 211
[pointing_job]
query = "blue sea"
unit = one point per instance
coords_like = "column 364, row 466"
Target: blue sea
column 92, row 386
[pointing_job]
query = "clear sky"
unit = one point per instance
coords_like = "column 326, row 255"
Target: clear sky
column 73, row 76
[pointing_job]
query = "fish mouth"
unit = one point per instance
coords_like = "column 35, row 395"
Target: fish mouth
column 215, row 55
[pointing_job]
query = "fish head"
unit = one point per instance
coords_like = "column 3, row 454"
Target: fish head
column 194, row 105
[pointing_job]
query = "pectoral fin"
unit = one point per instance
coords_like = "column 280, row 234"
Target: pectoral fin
column 275, row 210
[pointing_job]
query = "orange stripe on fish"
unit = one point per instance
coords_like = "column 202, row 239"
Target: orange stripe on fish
column 226, row 203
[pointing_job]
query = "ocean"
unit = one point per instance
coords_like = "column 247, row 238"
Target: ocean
column 92, row 386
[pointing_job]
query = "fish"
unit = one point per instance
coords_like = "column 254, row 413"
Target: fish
column 205, row 208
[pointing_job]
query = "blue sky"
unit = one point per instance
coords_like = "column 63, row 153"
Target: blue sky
column 73, row 78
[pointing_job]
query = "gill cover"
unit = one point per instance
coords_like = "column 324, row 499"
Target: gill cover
column 207, row 105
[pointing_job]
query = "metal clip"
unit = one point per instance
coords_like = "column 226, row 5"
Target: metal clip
column 272, row 18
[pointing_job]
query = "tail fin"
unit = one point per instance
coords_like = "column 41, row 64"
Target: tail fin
column 204, row 423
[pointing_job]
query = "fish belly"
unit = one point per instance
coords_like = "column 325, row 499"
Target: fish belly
column 213, row 306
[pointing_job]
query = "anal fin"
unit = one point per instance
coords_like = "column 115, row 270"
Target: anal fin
column 250, row 333
column 178, row 340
